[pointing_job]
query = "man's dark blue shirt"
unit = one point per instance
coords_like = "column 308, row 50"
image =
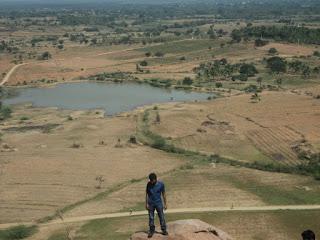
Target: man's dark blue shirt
column 154, row 193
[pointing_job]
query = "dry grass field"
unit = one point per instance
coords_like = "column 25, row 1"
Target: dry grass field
column 62, row 163
column 49, row 169
column 237, row 128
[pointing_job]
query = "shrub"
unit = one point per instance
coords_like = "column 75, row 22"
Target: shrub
column 260, row 43
column 248, row 70
column 158, row 142
column 144, row 63
column 218, row 84
column 243, row 77
column 272, row 51
column 187, row 81
column 45, row 56
column 316, row 53
column 18, row 232
column 251, row 88
column 159, row 54
column 5, row 112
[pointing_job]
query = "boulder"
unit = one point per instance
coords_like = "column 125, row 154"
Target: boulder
column 191, row 229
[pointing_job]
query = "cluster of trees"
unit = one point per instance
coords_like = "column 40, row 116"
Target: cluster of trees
column 300, row 67
column 112, row 76
column 8, row 46
column 292, row 34
column 280, row 65
column 222, row 69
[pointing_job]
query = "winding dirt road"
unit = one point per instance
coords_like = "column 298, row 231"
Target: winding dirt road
column 8, row 75
column 178, row 210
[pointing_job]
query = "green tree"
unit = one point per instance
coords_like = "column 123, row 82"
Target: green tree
column 277, row 64
column 236, row 35
column 248, row 69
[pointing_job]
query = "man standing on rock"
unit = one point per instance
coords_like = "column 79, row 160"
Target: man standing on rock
column 154, row 202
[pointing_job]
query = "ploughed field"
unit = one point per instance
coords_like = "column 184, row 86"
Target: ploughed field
column 274, row 129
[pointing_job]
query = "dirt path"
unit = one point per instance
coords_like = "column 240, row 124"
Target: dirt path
column 8, row 75
column 178, row 210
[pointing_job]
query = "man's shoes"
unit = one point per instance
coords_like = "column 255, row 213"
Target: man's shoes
column 150, row 234
column 165, row 233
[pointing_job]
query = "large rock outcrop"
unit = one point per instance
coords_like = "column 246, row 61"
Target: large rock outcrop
column 192, row 229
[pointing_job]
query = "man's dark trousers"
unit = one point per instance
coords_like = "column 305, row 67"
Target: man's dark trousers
column 159, row 208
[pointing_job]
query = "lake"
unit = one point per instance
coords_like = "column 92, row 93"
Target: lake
column 114, row 98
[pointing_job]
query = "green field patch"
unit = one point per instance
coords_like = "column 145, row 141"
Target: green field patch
column 183, row 46
column 18, row 232
column 258, row 225
column 279, row 195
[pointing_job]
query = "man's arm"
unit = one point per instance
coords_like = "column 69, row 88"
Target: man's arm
column 164, row 200
column 164, row 196
column 147, row 205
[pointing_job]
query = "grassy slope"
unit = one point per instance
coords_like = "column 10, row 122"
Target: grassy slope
column 279, row 225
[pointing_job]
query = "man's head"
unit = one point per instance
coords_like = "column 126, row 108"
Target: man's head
column 153, row 178
column 308, row 235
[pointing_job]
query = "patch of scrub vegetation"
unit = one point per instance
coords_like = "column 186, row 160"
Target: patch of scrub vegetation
column 183, row 46
column 278, row 195
column 18, row 232
column 5, row 111
column 112, row 76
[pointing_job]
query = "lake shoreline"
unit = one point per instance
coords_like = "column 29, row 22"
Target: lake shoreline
column 112, row 98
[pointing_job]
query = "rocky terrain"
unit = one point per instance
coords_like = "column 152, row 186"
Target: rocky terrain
column 187, row 230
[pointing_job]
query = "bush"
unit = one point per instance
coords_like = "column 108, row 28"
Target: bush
column 159, row 54
column 5, row 112
column 45, row 56
column 260, row 43
column 18, row 232
column 316, row 53
column 243, row 77
column 272, row 51
column 144, row 63
column 248, row 70
column 218, row 84
column 158, row 142
column 187, row 81
column 24, row 118
column 251, row 88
